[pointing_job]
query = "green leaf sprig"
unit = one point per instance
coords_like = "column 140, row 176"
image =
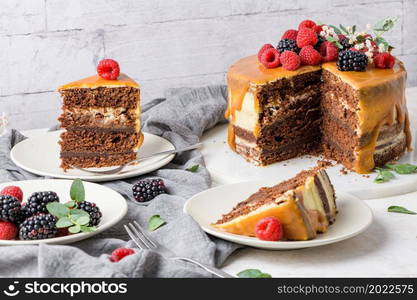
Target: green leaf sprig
column 401, row 210
column 386, row 173
column 69, row 216
column 193, row 169
column 253, row 273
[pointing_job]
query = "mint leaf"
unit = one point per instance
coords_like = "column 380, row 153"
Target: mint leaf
column 77, row 191
column 193, row 168
column 70, row 204
column 252, row 273
column 383, row 176
column 402, row 168
column 83, row 220
column 64, row 222
column 57, row 209
column 155, row 222
column 401, row 210
column 88, row 228
column 77, row 213
column 74, row 229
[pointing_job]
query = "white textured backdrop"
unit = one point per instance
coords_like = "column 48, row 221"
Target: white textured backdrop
column 160, row 43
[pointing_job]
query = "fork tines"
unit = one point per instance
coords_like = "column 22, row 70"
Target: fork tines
column 137, row 234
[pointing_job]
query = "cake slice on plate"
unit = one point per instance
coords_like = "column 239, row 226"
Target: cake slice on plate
column 101, row 115
column 305, row 205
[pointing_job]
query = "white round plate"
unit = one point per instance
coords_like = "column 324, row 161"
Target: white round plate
column 207, row 207
column 225, row 166
column 40, row 155
column 112, row 205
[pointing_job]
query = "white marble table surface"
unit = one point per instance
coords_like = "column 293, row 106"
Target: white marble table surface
column 387, row 249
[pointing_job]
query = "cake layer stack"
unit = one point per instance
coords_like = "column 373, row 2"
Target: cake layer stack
column 304, row 204
column 356, row 118
column 101, row 119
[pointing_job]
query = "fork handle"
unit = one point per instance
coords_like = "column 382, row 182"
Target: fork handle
column 210, row 269
column 171, row 151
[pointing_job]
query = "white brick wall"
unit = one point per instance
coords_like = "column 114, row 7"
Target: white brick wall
column 160, row 43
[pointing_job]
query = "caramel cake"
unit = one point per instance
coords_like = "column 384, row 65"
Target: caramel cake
column 101, row 118
column 341, row 106
column 305, row 205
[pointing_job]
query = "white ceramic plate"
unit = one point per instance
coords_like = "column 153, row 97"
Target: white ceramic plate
column 40, row 155
column 207, row 207
column 112, row 205
column 225, row 166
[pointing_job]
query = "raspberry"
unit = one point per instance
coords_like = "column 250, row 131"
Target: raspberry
column 120, row 253
column 270, row 58
column 13, row 191
column 290, row 60
column 318, row 28
column 307, row 24
column 309, row 56
column 8, row 231
column 269, row 229
column 328, row 51
column 262, row 50
column 290, row 34
column 384, row 60
column 305, row 37
column 108, row 69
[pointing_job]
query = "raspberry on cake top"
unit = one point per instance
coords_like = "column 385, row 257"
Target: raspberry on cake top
column 323, row 89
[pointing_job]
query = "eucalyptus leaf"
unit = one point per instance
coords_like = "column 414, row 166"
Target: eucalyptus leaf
column 193, row 168
column 343, row 29
column 252, row 273
column 64, row 222
column 155, row 222
column 402, row 168
column 353, row 28
column 88, row 228
column 57, row 209
column 77, row 191
column 336, row 30
column 74, row 229
column 401, row 210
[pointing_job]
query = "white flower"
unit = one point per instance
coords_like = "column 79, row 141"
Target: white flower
column 336, row 37
column 322, row 33
column 368, row 43
column 325, row 27
column 368, row 26
column 351, row 41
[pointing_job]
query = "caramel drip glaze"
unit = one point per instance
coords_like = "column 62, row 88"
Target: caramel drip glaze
column 96, row 81
column 381, row 95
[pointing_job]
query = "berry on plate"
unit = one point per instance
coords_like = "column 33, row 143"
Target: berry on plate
column 37, row 202
column 10, row 209
column 93, row 210
column 108, row 69
column 39, row 227
column 8, row 231
column 307, row 24
column 120, row 253
column 290, row 34
column 309, row 56
column 145, row 190
column 262, row 50
column 13, row 191
column 384, row 60
column 269, row 229
column 270, row 58
column 305, row 37
column 290, row 60
column 328, row 51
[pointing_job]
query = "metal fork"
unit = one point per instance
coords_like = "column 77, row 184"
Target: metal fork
column 120, row 168
column 144, row 242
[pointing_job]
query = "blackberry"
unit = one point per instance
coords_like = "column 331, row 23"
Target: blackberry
column 345, row 43
column 37, row 203
column 286, row 44
column 320, row 41
column 42, row 226
column 10, row 209
column 146, row 190
column 350, row 60
column 93, row 210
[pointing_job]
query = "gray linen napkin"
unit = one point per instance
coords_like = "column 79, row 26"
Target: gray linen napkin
column 181, row 117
